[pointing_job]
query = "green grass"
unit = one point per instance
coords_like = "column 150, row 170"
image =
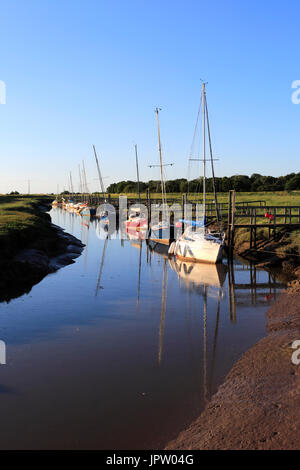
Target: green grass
column 283, row 198
column 20, row 220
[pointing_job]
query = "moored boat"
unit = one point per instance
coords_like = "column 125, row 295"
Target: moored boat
column 198, row 243
column 136, row 220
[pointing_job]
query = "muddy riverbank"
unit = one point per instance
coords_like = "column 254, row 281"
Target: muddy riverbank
column 258, row 405
column 28, row 255
column 281, row 255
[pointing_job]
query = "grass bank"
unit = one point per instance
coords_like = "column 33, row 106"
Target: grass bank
column 28, row 243
column 21, row 221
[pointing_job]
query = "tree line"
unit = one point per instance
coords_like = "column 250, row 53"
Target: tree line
column 253, row 183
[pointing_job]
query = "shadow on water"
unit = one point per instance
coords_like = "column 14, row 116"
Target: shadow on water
column 124, row 348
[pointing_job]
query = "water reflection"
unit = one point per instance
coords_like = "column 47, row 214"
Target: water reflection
column 98, row 286
column 123, row 348
column 208, row 282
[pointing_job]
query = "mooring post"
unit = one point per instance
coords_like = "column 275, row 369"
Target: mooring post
column 254, row 227
column 233, row 217
column 148, row 195
column 182, row 204
column 229, row 220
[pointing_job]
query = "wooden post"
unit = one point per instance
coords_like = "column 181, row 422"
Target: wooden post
column 149, row 203
column 229, row 220
column 254, row 227
column 233, row 208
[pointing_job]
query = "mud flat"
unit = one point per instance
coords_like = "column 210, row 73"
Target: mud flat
column 258, row 405
column 282, row 255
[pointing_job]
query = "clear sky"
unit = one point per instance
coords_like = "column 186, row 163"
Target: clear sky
column 83, row 72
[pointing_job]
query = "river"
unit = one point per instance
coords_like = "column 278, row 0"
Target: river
column 123, row 348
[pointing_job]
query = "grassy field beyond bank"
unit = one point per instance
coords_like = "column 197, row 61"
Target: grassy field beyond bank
column 284, row 198
column 21, row 220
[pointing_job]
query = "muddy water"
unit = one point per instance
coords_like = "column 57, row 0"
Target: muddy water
column 123, row 348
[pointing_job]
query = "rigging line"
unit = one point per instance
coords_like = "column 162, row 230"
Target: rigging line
column 194, row 138
column 212, row 167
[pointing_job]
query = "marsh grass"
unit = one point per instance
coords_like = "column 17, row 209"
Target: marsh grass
column 279, row 198
column 21, row 221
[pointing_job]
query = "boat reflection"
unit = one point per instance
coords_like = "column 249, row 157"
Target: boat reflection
column 134, row 234
column 196, row 276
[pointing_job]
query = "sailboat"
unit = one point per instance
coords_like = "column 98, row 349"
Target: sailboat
column 160, row 232
column 83, row 208
column 137, row 220
column 198, row 242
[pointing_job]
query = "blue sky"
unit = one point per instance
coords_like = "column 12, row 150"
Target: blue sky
column 83, row 72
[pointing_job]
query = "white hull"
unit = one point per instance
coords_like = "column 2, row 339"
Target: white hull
column 198, row 274
column 205, row 251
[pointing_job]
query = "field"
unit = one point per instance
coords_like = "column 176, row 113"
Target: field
column 284, row 198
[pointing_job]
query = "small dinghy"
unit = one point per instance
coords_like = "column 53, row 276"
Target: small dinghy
column 136, row 220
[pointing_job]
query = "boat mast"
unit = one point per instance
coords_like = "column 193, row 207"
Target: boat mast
column 205, row 345
column 139, row 276
column 80, row 180
column 85, row 181
column 163, row 189
column 99, row 173
column 204, row 161
column 212, row 169
column 163, row 311
column 137, row 171
column 101, row 266
column 71, row 185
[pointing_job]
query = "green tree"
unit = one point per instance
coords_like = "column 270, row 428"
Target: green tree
column 293, row 183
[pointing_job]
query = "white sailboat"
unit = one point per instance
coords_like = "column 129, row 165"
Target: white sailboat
column 137, row 221
column 198, row 243
column 160, row 230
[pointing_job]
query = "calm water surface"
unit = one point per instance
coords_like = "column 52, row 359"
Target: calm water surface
column 123, row 348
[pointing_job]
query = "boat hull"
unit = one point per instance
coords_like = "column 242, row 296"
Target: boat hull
column 139, row 224
column 205, row 252
column 158, row 247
